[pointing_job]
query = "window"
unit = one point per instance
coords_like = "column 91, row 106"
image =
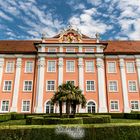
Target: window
column 132, row 86
column 114, row 106
column 113, row 86
column 7, row 86
column 70, row 49
column 72, row 82
column 29, row 67
column 10, row 66
column 134, row 105
column 91, row 107
column 5, row 106
column 90, row 86
column 50, row 85
column 89, row 66
column 70, row 66
column 27, row 86
column 26, row 106
column 130, row 67
column 51, row 66
column 51, row 49
column 111, row 67
column 89, row 50
column 49, row 107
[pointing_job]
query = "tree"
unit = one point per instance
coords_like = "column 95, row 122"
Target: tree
column 70, row 94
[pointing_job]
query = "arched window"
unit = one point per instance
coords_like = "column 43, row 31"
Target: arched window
column 91, row 107
column 49, row 107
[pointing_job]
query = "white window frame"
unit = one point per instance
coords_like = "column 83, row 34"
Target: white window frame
column 108, row 66
column 24, row 86
column 115, row 110
column 48, row 65
column 138, row 105
column 49, row 49
column 47, row 86
column 109, row 85
column 86, row 66
column 12, row 68
column 67, row 64
column 29, row 106
column 26, row 66
column 4, row 86
column 136, row 86
column 127, row 67
column 8, row 106
column 69, row 51
column 89, row 51
column 94, row 86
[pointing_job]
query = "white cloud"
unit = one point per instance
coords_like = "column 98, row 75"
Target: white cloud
column 4, row 16
column 88, row 24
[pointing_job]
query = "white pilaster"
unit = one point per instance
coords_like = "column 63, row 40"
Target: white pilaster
column 124, row 86
column 60, row 71
column 81, row 74
column 101, row 85
column 1, row 69
column 138, row 69
column 14, row 107
column 40, row 85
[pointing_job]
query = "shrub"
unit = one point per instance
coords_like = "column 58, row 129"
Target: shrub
column 97, row 119
column 29, row 120
column 37, row 121
column 15, row 116
column 5, row 117
column 131, row 115
column 92, row 132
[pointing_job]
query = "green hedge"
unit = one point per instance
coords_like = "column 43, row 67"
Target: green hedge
column 92, row 132
column 97, row 119
column 15, row 116
column 5, row 117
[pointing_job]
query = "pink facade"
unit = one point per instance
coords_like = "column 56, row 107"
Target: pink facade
column 108, row 72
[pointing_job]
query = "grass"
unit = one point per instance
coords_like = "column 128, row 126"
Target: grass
column 113, row 121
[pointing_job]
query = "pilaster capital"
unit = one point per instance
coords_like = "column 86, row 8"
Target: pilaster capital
column 121, row 63
column 41, row 62
column 19, row 62
column 99, row 63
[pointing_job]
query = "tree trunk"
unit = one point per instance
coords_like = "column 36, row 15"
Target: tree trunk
column 60, row 108
column 68, row 107
column 74, row 109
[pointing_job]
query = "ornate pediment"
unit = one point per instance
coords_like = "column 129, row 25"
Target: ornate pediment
column 70, row 36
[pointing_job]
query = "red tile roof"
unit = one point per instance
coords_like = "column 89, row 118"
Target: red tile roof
column 119, row 47
column 27, row 46
column 17, row 46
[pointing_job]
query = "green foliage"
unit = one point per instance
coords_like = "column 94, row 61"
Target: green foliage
column 96, row 119
column 131, row 115
column 16, row 116
column 37, row 121
column 5, row 117
column 92, row 132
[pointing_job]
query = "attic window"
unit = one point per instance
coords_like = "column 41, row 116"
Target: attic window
column 88, row 50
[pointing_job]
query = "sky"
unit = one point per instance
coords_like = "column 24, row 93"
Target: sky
column 28, row 19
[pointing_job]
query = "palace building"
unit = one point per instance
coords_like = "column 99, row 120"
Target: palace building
column 108, row 73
